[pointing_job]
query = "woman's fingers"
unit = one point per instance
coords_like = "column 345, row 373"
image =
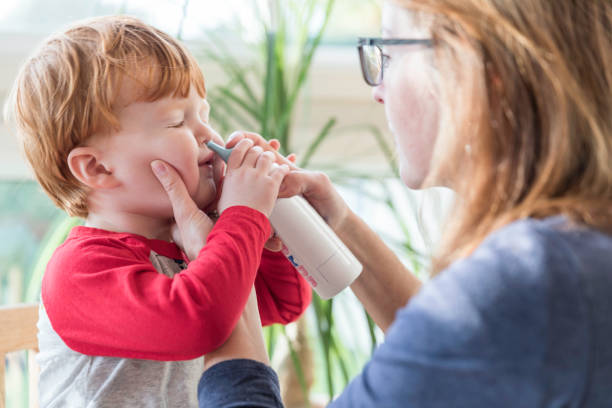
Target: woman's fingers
column 183, row 205
column 272, row 145
column 191, row 226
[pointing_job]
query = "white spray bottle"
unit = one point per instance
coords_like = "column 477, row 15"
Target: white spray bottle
column 309, row 243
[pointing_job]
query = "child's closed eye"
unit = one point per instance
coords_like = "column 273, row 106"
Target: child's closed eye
column 178, row 125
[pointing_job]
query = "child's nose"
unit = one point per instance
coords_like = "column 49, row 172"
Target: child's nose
column 203, row 133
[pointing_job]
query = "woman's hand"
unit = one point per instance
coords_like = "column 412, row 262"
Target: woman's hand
column 318, row 190
column 191, row 225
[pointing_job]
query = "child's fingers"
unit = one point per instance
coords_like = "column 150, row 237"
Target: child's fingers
column 234, row 139
column 257, row 140
column 264, row 162
column 279, row 172
column 271, row 145
column 238, row 154
column 274, row 244
column 239, row 135
column 250, row 159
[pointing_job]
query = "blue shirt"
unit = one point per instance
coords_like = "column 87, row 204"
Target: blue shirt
column 525, row 321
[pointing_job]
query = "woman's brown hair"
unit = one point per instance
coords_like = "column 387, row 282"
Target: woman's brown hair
column 538, row 140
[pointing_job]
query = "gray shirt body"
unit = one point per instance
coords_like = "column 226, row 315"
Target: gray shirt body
column 71, row 379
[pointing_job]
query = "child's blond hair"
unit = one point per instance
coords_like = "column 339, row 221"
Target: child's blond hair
column 68, row 90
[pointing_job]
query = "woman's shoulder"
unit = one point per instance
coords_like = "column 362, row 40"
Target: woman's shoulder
column 537, row 254
column 521, row 276
column 521, row 288
column 552, row 241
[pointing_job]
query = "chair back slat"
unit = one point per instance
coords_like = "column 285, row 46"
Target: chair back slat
column 18, row 328
column 17, row 332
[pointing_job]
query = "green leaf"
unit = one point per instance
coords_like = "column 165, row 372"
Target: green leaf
column 236, row 70
column 308, row 52
column 269, row 84
column 371, row 329
column 271, row 338
column 252, row 110
column 317, row 141
column 297, row 365
column 222, row 109
column 55, row 237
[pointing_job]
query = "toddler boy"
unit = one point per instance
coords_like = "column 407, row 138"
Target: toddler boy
column 126, row 314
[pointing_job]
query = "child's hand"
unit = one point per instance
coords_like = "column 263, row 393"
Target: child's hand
column 271, row 145
column 274, row 243
column 192, row 225
column 251, row 179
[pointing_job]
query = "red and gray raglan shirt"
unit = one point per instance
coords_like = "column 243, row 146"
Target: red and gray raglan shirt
column 125, row 320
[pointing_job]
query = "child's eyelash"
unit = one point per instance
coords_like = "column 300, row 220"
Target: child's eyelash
column 178, row 125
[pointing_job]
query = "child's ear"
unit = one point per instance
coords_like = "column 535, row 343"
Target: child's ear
column 85, row 164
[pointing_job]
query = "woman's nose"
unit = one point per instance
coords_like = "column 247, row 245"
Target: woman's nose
column 378, row 94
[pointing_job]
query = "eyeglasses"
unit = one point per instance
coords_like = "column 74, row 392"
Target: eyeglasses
column 373, row 61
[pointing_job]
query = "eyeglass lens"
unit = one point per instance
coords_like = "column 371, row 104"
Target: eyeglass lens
column 372, row 64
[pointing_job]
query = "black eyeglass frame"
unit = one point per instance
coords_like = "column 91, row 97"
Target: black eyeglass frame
column 379, row 42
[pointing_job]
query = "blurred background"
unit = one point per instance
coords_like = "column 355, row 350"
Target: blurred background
column 287, row 69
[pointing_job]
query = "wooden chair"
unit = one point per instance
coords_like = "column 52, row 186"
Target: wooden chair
column 18, row 332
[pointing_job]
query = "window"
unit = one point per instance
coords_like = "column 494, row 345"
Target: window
column 188, row 19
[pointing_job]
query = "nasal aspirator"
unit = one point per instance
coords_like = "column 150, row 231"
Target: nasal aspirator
column 309, row 243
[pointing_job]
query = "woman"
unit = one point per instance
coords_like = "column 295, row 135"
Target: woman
column 507, row 102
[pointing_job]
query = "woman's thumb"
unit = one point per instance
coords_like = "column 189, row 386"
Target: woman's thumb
column 182, row 204
column 291, row 185
column 166, row 177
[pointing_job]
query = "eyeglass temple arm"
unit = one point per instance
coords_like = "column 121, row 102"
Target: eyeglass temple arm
column 394, row 41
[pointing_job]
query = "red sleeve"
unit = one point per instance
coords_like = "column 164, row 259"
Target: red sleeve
column 104, row 297
column 282, row 294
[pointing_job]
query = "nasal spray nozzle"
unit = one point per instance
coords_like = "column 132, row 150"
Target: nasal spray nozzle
column 309, row 243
